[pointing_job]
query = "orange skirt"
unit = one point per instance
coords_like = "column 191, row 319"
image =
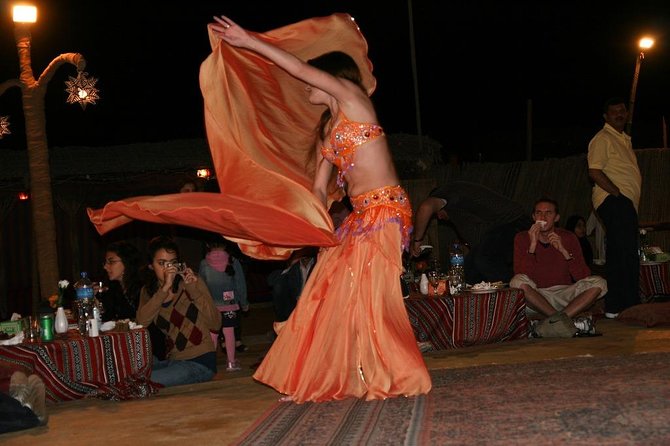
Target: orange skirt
column 349, row 335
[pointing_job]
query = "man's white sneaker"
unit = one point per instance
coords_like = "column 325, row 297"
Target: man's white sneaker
column 585, row 325
column 611, row 315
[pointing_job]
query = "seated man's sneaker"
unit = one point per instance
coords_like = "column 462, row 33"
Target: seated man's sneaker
column 558, row 325
column 425, row 346
column 611, row 315
column 585, row 325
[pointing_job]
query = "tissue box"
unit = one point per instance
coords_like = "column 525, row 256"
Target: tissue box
column 11, row 327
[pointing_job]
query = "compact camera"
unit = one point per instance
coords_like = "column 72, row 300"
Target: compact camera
column 181, row 267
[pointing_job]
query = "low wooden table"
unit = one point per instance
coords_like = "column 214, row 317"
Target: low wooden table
column 114, row 365
column 468, row 318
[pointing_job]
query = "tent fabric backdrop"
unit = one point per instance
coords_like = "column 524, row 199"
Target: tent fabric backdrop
column 260, row 129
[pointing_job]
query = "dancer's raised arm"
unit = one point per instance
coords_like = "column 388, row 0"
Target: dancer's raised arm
column 233, row 34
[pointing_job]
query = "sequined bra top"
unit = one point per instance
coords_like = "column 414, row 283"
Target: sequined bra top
column 344, row 140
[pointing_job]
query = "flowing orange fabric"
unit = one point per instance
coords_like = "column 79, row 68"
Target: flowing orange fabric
column 261, row 131
column 349, row 335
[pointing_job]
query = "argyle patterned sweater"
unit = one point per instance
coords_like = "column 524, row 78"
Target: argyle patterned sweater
column 186, row 320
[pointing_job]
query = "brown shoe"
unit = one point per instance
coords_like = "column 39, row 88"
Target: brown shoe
column 558, row 325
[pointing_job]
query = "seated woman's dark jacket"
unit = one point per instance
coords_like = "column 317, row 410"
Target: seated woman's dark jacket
column 116, row 304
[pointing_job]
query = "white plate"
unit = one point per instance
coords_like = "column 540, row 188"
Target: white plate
column 486, row 290
column 109, row 325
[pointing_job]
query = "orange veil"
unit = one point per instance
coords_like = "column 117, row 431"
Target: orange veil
column 260, row 129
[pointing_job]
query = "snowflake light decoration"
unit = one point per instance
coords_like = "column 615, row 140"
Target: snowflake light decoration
column 82, row 89
column 4, row 126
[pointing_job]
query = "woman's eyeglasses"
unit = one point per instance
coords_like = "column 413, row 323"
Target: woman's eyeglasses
column 110, row 262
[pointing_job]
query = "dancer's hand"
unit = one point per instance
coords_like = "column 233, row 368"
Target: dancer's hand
column 230, row 32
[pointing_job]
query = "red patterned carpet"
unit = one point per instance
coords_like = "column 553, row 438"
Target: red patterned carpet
column 618, row 400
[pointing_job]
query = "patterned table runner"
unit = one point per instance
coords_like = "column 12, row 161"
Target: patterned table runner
column 114, row 365
column 654, row 281
column 469, row 318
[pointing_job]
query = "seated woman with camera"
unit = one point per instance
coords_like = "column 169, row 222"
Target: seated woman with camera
column 180, row 305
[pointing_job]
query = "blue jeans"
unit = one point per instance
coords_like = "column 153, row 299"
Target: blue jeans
column 174, row 372
column 14, row 416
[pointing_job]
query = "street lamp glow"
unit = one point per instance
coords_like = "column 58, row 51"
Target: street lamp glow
column 203, row 173
column 646, row 43
column 25, row 14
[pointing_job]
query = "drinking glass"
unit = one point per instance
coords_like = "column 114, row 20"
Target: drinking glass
column 434, row 280
column 99, row 287
column 455, row 284
column 32, row 331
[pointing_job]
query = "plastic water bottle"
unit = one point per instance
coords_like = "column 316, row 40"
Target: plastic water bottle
column 456, row 271
column 83, row 289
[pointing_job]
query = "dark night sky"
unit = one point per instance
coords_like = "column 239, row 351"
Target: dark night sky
column 479, row 62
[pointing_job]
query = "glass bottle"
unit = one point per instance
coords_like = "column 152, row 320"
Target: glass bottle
column 644, row 246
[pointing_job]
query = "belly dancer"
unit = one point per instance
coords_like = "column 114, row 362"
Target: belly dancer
column 349, row 335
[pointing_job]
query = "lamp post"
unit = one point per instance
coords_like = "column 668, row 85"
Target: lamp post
column 644, row 44
column 33, row 92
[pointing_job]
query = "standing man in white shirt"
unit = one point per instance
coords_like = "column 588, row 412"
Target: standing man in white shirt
column 616, row 195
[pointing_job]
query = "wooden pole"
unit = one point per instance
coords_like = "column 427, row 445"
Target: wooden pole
column 529, row 130
column 44, row 225
column 633, row 91
column 415, row 77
